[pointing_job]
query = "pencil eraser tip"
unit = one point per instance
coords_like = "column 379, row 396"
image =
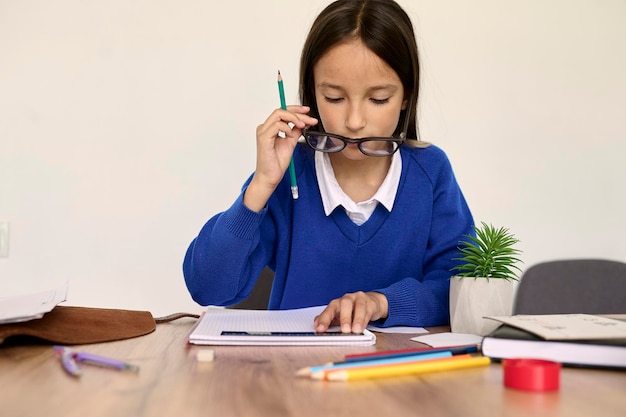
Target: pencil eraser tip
column 205, row 355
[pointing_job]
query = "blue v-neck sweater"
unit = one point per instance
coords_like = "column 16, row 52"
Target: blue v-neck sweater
column 405, row 254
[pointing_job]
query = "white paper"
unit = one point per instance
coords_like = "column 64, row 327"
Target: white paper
column 30, row 306
column 262, row 326
column 448, row 339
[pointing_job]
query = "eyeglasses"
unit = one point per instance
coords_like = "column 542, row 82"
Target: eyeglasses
column 331, row 143
column 370, row 146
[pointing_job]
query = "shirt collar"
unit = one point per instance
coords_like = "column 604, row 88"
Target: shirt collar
column 333, row 196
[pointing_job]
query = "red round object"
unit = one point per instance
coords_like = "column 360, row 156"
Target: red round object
column 531, row 374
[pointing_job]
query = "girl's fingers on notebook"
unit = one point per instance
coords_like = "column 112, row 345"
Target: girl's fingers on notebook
column 338, row 312
column 365, row 307
column 360, row 313
column 346, row 310
column 352, row 312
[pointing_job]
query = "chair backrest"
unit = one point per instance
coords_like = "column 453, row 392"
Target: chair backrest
column 590, row 286
column 260, row 296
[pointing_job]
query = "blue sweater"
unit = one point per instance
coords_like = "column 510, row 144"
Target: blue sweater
column 405, row 254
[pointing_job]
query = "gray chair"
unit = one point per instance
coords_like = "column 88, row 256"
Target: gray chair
column 590, row 286
column 260, row 296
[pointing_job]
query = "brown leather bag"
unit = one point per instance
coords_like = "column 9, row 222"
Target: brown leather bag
column 81, row 325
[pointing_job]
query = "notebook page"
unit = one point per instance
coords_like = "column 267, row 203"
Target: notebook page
column 216, row 320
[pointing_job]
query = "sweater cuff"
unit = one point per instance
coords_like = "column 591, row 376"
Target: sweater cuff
column 397, row 301
column 241, row 221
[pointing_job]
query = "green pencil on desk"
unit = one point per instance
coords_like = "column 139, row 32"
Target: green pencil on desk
column 292, row 167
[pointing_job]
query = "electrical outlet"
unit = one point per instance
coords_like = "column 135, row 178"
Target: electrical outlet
column 4, row 239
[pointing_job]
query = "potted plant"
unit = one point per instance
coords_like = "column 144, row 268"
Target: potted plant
column 484, row 284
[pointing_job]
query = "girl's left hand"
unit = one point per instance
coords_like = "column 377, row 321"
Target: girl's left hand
column 352, row 312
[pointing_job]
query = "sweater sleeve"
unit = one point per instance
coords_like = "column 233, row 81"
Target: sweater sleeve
column 222, row 263
column 424, row 301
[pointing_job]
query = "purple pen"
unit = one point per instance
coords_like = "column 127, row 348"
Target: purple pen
column 104, row 361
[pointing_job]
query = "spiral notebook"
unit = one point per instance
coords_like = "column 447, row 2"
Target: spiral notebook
column 222, row 326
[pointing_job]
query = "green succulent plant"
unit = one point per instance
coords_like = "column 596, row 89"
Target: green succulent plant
column 489, row 254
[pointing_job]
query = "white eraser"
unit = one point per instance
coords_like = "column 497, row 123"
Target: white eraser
column 205, row 355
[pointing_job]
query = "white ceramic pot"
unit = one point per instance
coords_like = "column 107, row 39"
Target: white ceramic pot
column 473, row 298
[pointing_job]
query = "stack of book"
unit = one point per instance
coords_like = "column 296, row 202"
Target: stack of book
column 571, row 339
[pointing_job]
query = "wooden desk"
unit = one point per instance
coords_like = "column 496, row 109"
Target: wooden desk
column 260, row 381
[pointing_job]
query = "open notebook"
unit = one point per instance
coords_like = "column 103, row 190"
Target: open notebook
column 221, row 326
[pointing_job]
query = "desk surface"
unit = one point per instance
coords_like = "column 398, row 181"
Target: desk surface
column 260, row 381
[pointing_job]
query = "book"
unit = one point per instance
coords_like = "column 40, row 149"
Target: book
column 510, row 342
column 568, row 326
column 222, row 326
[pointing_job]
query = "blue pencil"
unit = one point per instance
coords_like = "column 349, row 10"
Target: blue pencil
column 455, row 350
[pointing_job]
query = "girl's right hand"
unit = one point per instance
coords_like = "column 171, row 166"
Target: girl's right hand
column 276, row 140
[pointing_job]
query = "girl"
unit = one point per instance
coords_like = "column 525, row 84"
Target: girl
column 379, row 214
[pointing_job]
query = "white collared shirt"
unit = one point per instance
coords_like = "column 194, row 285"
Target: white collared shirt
column 358, row 212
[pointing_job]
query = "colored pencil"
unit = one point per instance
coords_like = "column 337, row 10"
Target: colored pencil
column 318, row 372
column 436, row 365
column 455, row 350
column 292, row 167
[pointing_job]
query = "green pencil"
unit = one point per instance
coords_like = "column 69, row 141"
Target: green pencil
column 292, row 167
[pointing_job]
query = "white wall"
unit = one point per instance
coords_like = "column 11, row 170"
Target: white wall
column 125, row 124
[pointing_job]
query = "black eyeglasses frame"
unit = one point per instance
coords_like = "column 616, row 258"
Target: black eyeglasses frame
column 359, row 141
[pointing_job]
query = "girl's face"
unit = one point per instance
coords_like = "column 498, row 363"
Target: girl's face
column 358, row 95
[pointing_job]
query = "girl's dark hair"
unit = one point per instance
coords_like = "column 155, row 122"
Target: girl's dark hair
column 384, row 27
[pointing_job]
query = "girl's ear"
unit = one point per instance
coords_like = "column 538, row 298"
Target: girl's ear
column 405, row 102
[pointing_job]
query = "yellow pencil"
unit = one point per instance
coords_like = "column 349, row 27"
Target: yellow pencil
column 456, row 362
